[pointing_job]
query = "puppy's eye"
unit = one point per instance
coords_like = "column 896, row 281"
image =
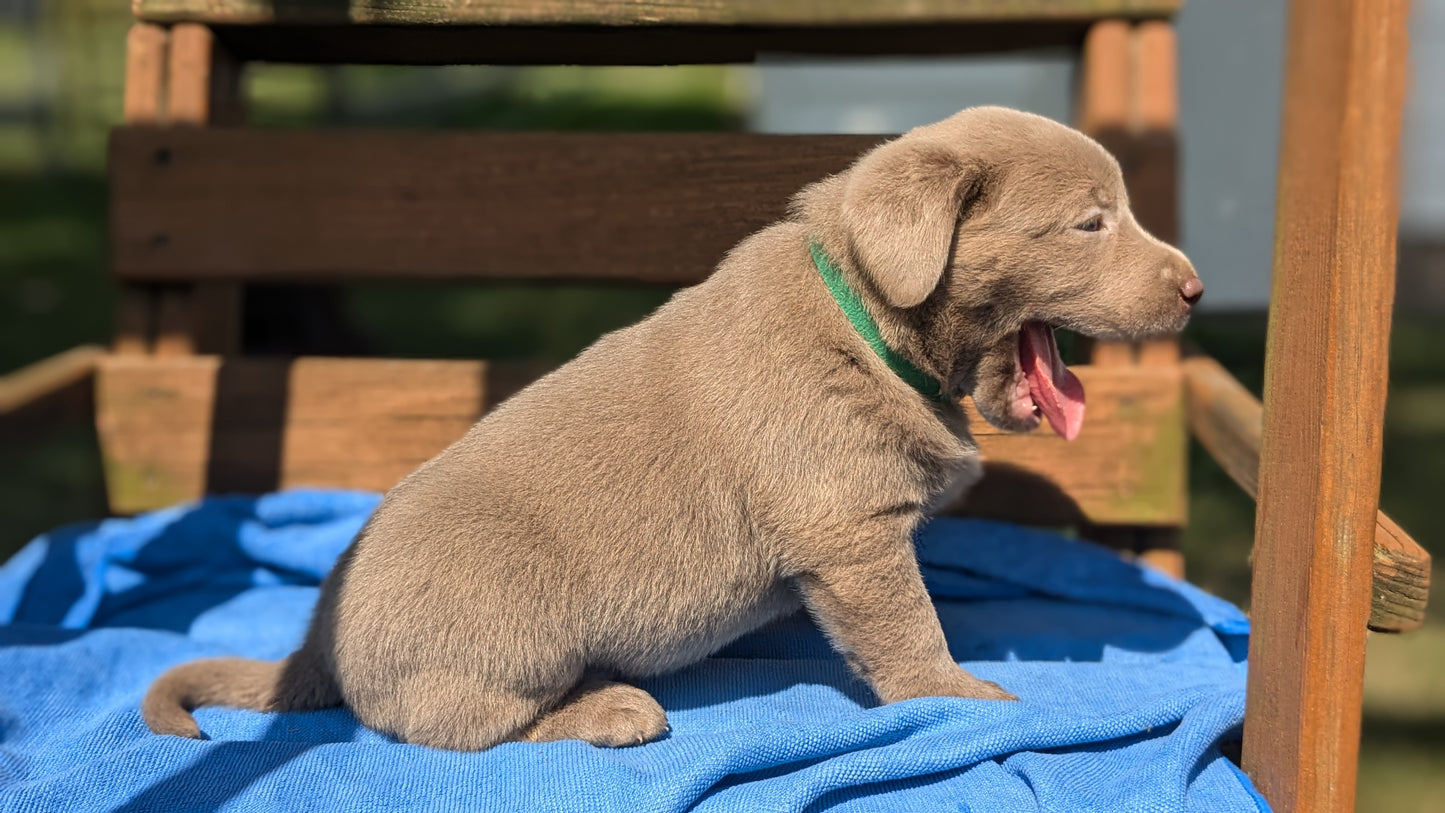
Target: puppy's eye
column 1092, row 224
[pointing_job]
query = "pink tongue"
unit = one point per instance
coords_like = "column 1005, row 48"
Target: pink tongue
column 1056, row 391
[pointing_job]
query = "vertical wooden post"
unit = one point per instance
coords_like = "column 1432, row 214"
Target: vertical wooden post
column 1324, row 398
column 1128, row 100
column 181, row 77
column 144, row 102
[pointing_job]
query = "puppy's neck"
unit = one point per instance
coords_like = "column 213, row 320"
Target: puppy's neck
column 917, row 334
column 911, row 333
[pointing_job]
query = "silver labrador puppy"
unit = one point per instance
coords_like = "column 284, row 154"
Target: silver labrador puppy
column 767, row 439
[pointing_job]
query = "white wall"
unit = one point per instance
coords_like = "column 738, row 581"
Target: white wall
column 1231, row 59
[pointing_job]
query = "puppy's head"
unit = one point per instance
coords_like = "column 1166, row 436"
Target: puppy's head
column 982, row 233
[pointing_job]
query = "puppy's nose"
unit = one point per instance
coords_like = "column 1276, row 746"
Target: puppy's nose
column 1191, row 290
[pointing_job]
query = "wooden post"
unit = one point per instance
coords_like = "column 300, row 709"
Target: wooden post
column 180, row 76
column 147, row 46
column 1129, row 101
column 1325, row 379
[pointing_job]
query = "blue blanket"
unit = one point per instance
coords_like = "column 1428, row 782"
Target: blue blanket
column 1128, row 682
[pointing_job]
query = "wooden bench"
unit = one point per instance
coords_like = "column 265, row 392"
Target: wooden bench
column 202, row 206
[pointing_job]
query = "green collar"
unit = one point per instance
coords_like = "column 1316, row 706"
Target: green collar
column 852, row 306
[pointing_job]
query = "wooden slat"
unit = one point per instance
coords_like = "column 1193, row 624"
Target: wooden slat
column 1227, row 419
column 1106, row 84
column 1150, row 159
column 321, row 206
column 134, row 320
column 190, row 59
column 203, row 89
column 633, row 13
column 175, row 323
column 1125, row 468
column 1129, row 101
column 1128, row 76
column 630, row 45
column 1401, row 579
column 146, row 67
column 1326, row 372
column 145, row 74
column 51, row 392
column 1229, row 423
column 172, row 429
column 1156, row 82
column 35, row 382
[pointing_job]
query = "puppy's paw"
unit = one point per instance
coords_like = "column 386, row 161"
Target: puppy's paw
column 612, row 715
column 634, row 722
column 954, row 682
column 988, row 690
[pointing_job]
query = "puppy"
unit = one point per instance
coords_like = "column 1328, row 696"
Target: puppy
column 766, row 440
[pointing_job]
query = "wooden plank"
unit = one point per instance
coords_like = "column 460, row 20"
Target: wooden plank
column 146, row 67
column 634, row 13
column 204, row 89
column 1227, row 419
column 1111, row 353
column 1125, row 468
column 1156, row 82
column 296, row 206
column 1229, row 423
column 1149, row 153
column 33, row 383
column 1159, row 352
column 1106, row 84
column 51, row 392
column 145, row 74
column 1326, row 372
column 205, row 79
column 1128, row 100
column 1400, row 582
column 174, row 428
column 133, row 320
column 189, row 60
column 1159, row 549
column 630, row 45
column 176, row 322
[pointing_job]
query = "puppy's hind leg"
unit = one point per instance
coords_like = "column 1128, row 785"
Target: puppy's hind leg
column 452, row 711
column 603, row 713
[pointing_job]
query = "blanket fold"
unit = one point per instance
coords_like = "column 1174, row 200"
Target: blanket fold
column 1129, row 681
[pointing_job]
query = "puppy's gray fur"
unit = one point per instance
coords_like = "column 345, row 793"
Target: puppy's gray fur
column 738, row 454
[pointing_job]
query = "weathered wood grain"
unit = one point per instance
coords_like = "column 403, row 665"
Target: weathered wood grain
column 23, row 387
column 145, row 74
column 144, row 102
column 174, row 428
column 344, row 43
column 1128, row 77
column 180, row 76
column 48, row 393
column 1326, row 372
column 635, row 13
column 287, row 206
column 134, row 320
column 1229, row 422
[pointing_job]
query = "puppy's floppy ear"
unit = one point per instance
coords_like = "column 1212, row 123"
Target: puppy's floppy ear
column 901, row 204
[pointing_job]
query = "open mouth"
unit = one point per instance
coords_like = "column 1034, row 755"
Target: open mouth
column 1045, row 387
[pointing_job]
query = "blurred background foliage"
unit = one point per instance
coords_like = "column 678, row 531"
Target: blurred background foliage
column 61, row 65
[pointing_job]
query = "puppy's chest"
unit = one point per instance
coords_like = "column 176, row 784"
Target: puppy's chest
column 949, row 467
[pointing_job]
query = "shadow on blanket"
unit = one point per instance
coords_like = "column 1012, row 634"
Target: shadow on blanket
column 1058, row 621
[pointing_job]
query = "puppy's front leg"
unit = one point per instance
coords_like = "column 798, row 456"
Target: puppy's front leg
column 876, row 611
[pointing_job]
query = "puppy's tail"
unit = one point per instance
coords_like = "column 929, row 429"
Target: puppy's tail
column 297, row 683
